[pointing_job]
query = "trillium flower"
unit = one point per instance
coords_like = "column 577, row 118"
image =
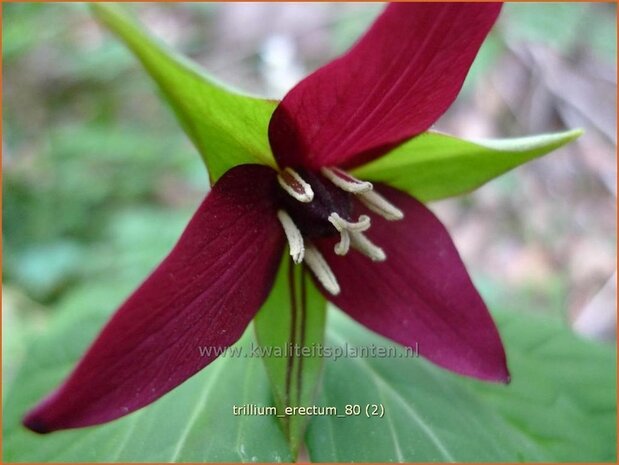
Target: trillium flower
column 373, row 250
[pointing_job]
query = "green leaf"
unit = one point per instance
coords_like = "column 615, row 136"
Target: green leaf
column 228, row 128
column 434, row 166
column 560, row 406
column 295, row 376
column 193, row 423
column 563, row 390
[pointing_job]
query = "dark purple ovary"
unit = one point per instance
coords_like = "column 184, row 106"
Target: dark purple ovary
column 312, row 218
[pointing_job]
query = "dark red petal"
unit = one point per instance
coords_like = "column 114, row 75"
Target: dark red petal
column 421, row 296
column 204, row 293
column 393, row 84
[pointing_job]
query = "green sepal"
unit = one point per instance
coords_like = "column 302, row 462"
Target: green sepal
column 294, row 374
column 227, row 128
column 434, row 166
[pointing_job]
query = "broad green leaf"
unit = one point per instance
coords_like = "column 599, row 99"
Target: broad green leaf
column 428, row 415
column 294, row 376
column 434, row 166
column 193, row 423
column 228, row 128
column 563, row 390
column 562, row 398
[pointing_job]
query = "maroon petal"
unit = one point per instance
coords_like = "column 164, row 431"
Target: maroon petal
column 421, row 296
column 393, row 84
column 204, row 293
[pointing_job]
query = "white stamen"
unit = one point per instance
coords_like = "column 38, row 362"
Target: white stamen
column 380, row 205
column 295, row 239
column 342, row 247
column 362, row 223
column 361, row 243
column 295, row 185
column 316, row 262
column 345, row 181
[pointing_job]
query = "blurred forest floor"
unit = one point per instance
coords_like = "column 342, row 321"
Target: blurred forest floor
column 98, row 175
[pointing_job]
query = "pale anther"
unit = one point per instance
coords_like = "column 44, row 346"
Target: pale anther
column 342, row 247
column 362, row 223
column 316, row 262
column 345, row 181
column 295, row 239
column 361, row 243
column 380, row 205
column 295, row 185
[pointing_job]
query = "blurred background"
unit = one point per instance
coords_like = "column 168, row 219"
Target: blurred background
column 99, row 179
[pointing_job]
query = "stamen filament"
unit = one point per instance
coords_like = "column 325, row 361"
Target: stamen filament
column 295, row 239
column 380, row 205
column 295, row 185
column 345, row 181
column 362, row 223
column 316, row 262
column 360, row 242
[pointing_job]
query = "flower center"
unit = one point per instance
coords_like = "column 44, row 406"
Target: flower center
column 318, row 205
